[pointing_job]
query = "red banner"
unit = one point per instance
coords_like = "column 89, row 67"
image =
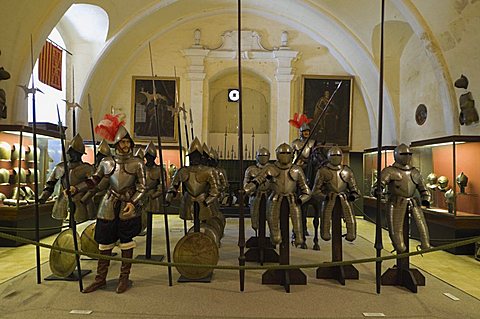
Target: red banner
column 50, row 66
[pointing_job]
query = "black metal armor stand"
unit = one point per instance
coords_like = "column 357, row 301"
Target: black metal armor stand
column 339, row 273
column 260, row 249
column 148, row 242
column 316, row 223
column 284, row 277
column 401, row 274
column 196, row 229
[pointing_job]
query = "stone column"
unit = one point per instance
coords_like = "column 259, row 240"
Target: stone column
column 195, row 76
column 284, row 76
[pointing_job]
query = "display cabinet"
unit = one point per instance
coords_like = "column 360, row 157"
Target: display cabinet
column 17, row 209
column 370, row 178
column 450, row 170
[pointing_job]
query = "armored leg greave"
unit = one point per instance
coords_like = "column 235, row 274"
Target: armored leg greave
column 273, row 218
column 102, row 270
column 254, row 213
column 419, row 218
column 326, row 218
column 349, row 218
column 124, row 271
column 395, row 220
column 296, row 217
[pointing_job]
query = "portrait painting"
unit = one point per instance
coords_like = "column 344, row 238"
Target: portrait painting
column 328, row 101
column 143, row 108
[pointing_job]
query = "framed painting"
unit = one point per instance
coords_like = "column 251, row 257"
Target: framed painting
column 144, row 125
column 334, row 126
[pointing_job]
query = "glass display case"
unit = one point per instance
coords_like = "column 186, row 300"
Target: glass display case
column 17, row 195
column 450, row 170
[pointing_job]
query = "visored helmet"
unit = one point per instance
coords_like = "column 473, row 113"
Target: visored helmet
column 263, row 156
column 402, row 154
column 284, row 153
column 335, row 155
column 151, row 149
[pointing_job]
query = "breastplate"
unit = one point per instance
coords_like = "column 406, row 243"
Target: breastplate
column 121, row 179
column 79, row 173
column 193, row 186
column 336, row 183
column 402, row 184
column 283, row 183
column 152, row 177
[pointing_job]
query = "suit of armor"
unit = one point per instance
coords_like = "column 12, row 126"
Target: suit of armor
column 79, row 172
column 221, row 174
column 200, row 184
column 252, row 172
column 118, row 216
column 298, row 144
column 333, row 181
column 153, row 181
column 285, row 180
column 402, row 181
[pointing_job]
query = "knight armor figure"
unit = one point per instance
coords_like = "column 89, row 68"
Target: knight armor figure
column 333, row 181
column 252, row 172
column 402, row 181
column 200, row 184
column 118, row 216
column 298, row 144
column 79, row 172
column 221, row 174
column 152, row 200
column 286, row 180
column 468, row 112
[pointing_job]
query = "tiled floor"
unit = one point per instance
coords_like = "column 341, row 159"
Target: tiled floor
column 459, row 271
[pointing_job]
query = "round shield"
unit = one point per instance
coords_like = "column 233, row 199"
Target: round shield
column 61, row 263
column 195, row 248
column 210, row 231
column 217, row 224
column 88, row 243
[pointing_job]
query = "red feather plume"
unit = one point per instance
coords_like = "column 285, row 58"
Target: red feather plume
column 299, row 121
column 108, row 127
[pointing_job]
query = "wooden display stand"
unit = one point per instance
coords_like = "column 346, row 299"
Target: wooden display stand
column 148, row 242
column 284, row 277
column 401, row 274
column 260, row 249
column 339, row 273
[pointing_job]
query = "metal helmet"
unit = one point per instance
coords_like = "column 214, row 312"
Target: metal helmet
column 22, row 174
column 29, row 154
column 442, row 182
column 140, row 153
column 304, row 127
column 104, row 148
column 284, row 153
column 206, row 151
column 432, row 179
column 263, row 156
column 77, row 145
column 4, row 75
column 213, row 154
column 5, row 152
column 16, row 152
column 121, row 134
column 402, row 154
column 462, row 82
column 151, row 149
column 196, row 146
column 4, row 176
column 462, row 180
column 334, row 155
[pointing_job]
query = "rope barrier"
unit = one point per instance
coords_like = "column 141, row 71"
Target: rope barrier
column 249, row 267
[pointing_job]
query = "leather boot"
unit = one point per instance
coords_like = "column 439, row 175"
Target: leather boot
column 102, row 270
column 124, row 271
